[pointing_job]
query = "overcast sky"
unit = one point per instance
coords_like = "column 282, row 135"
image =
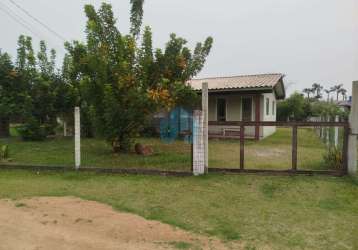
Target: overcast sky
column 307, row 40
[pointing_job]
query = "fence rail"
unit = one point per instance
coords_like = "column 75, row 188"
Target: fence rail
column 294, row 126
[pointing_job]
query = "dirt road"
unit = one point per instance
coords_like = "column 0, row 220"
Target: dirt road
column 71, row 223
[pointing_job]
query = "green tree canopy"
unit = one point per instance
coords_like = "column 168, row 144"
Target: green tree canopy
column 123, row 82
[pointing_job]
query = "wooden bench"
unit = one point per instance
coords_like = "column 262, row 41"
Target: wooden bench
column 232, row 130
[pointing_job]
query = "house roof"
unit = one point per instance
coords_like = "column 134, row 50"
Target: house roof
column 238, row 82
column 243, row 82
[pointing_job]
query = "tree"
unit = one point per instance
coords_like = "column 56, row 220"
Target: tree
column 136, row 16
column 337, row 88
column 328, row 92
column 13, row 95
column 296, row 108
column 124, row 83
column 308, row 92
column 343, row 92
column 317, row 88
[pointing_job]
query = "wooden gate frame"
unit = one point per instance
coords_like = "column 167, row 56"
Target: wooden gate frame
column 295, row 126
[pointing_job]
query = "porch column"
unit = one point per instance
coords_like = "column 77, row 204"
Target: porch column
column 257, row 116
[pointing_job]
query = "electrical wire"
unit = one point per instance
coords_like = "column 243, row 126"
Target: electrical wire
column 38, row 21
column 18, row 20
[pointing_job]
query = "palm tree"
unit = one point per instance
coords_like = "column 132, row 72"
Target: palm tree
column 317, row 88
column 307, row 91
column 337, row 89
column 328, row 92
column 343, row 92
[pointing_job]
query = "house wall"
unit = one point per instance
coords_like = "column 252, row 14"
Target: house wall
column 233, row 113
column 271, row 116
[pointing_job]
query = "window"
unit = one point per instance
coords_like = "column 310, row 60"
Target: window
column 273, row 107
column 221, row 109
column 267, row 106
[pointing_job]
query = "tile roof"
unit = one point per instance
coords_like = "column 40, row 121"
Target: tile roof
column 238, row 82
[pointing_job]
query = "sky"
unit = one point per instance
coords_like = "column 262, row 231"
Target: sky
column 307, row 40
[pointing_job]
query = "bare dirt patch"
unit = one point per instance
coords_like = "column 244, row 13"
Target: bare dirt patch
column 72, row 223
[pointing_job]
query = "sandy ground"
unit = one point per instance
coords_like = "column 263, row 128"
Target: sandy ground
column 71, row 223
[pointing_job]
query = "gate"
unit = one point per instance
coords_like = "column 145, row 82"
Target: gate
column 294, row 168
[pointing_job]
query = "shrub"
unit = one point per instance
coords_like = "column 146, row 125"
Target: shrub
column 33, row 131
column 334, row 158
column 4, row 152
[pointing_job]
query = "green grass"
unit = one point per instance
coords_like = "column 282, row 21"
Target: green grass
column 273, row 152
column 259, row 211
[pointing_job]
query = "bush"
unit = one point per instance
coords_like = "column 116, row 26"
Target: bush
column 334, row 158
column 33, row 131
column 4, row 152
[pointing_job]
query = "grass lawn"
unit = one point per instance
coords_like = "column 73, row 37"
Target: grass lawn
column 273, row 152
column 263, row 212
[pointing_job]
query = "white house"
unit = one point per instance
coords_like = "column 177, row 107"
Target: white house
column 242, row 98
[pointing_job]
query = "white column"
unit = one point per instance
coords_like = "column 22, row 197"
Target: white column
column 64, row 128
column 198, row 143
column 336, row 132
column 205, row 109
column 327, row 132
column 352, row 140
column 77, row 138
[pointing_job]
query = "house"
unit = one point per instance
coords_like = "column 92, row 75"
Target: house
column 345, row 105
column 242, row 98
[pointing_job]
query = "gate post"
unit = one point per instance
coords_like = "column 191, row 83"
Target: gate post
column 77, row 138
column 205, row 108
column 352, row 139
column 198, row 157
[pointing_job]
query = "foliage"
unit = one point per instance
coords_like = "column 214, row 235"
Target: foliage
column 334, row 158
column 123, row 83
column 136, row 16
column 32, row 130
column 296, row 108
column 4, row 152
column 13, row 95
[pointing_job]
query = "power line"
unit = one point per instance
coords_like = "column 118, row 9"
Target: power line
column 37, row 20
column 16, row 19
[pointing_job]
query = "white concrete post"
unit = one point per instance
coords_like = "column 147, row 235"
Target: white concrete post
column 336, row 133
column 327, row 132
column 352, row 140
column 205, row 109
column 77, row 138
column 198, row 143
column 64, row 128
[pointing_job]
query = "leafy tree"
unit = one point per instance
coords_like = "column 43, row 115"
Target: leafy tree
column 123, row 83
column 13, row 95
column 296, row 108
column 136, row 16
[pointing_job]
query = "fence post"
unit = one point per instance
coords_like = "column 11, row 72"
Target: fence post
column 205, row 108
column 77, row 138
column 198, row 154
column 242, row 147
column 352, row 139
column 327, row 133
column 294, row 148
column 336, row 132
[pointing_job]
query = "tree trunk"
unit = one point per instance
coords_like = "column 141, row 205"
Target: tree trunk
column 4, row 127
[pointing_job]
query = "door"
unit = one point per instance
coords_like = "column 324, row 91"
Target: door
column 221, row 109
column 247, row 109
